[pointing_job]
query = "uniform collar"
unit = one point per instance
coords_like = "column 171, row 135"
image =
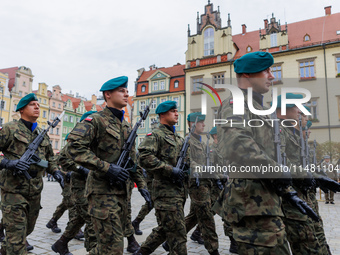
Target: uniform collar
column 30, row 125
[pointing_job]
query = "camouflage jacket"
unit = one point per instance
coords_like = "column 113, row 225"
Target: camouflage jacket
column 247, row 146
column 158, row 154
column 15, row 138
column 95, row 143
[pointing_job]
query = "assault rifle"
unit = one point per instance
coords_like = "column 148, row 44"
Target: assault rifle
column 281, row 158
column 307, row 148
column 303, row 147
column 314, row 154
column 29, row 156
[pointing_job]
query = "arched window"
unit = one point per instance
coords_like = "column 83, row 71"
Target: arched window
column 176, row 84
column 273, row 39
column 143, row 88
column 209, row 41
column 249, row 49
column 306, row 38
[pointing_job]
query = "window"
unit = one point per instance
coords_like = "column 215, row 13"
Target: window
column 163, row 100
column 215, row 113
column 71, row 118
column 142, row 124
column 1, row 121
column 176, row 99
column 273, row 39
column 52, row 116
column 155, row 85
column 44, row 101
column 24, row 84
column 38, row 99
column 66, row 117
column 59, row 106
column 44, row 114
column 56, row 145
column 15, row 106
column 218, row 79
column 249, row 49
column 152, row 120
column 143, row 88
column 57, row 131
column 20, row 94
column 162, row 85
column 64, row 130
column 307, row 69
column 142, row 105
column 277, row 72
column 43, row 127
column 196, row 84
column 313, row 105
column 306, row 38
column 338, row 65
column 176, row 84
column 51, row 131
column 78, row 119
column 153, row 104
column 53, row 104
column 69, row 129
column 209, row 41
column 3, row 103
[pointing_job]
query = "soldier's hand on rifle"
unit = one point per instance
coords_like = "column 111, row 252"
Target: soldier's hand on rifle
column 15, row 165
column 328, row 184
column 59, row 177
column 117, row 173
column 219, row 184
column 301, row 205
column 83, row 171
column 177, row 174
column 68, row 177
column 145, row 193
column 308, row 182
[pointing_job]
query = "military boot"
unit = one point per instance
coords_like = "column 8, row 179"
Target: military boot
column 60, row 246
column 52, row 224
column 135, row 225
column 215, row 252
column 329, row 250
column 196, row 236
column 28, row 246
column 165, row 246
column 2, row 234
column 79, row 236
column 132, row 244
column 233, row 245
column 141, row 252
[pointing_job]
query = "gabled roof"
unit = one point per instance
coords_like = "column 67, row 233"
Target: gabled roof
column 176, row 70
column 130, row 101
column 75, row 101
column 11, row 75
column 88, row 105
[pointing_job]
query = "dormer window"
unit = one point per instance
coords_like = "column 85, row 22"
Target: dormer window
column 143, row 88
column 249, row 49
column 209, row 41
column 306, row 38
column 176, row 84
column 273, row 39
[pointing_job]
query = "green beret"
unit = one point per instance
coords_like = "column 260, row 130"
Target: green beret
column 121, row 81
column 307, row 108
column 288, row 96
column 86, row 114
column 166, row 106
column 253, row 62
column 66, row 136
column 213, row 131
column 192, row 117
column 25, row 101
column 309, row 124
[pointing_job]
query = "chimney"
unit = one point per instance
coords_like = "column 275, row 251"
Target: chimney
column 328, row 10
column 265, row 24
column 153, row 67
column 94, row 99
column 244, row 29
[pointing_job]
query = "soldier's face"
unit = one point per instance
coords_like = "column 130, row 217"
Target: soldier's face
column 262, row 81
column 199, row 127
column 292, row 113
column 31, row 111
column 117, row 98
column 170, row 117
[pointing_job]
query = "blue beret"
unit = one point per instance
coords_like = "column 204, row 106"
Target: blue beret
column 213, row 131
column 86, row 114
column 192, row 117
column 166, row 106
column 121, row 81
column 288, row 96
column 66, row 136
column 25, row 101
column 253, row 62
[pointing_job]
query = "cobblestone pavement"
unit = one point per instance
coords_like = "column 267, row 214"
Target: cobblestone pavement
column 42, row 238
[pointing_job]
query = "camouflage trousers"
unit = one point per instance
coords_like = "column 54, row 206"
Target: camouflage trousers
column 78, row 216
column 263, row 235
column 108, row 214
column 145, row 208
column 66, row 203
column 128, row 228
column 171, row 227
column 19, row 214
column 201, row 213
column 329, row 196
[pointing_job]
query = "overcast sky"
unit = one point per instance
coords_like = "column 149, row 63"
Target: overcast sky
column 81, row 44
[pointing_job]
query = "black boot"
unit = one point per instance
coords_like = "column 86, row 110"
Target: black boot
column 329, row 250
column 135, row 225
column 165, row 246
column 28, row 246
column 141, row 252
column 132, row 244
column 215, row 252
column 2, row 234
column 233, row 245
column 52, row 224
column 79, row 236
column 60, row 246
column 196, row 236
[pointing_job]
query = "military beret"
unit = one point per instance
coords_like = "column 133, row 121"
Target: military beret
column 309, row 124
column 326, row 156
column 307, row 108
column 288, row 96
column 253, row 62
column 166, row 106
column 192, row 117
column 121, row 81
column 25, row 101
column 86, row 114
column 213, row 131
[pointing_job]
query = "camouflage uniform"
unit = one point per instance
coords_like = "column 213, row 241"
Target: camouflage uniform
column 66, row 203
column 299, row 227
column 20, row 198
column 78, row 215
column 329, row 169
column 251, row 206
column 95, row 143
column 201, row 200
column 157, row 154
column 145, row 208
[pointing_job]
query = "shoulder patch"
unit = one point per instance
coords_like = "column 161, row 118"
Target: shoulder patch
column 89, row 119
column 0, row 128
column 149, row 134
column 231, row 101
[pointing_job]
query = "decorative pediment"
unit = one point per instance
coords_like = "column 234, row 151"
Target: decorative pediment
column 158, row 75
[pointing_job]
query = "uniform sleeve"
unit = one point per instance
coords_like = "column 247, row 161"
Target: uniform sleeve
column 66, row 163
column 80, row 139
column 148, row 160
column 52, row 162
column 138, row 178
column 4, row 140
